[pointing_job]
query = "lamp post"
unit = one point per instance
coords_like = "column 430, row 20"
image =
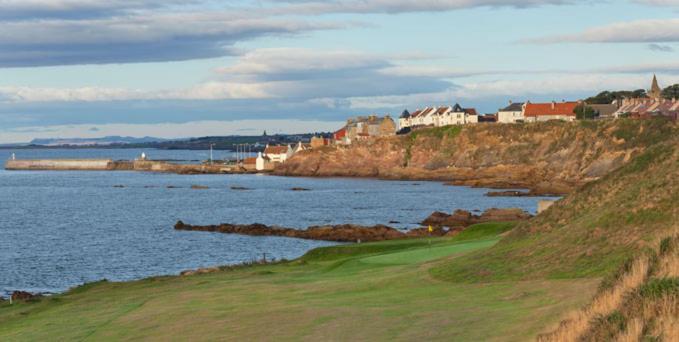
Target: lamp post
column 211, row 159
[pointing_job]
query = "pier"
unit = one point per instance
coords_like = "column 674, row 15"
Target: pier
column 123, row 165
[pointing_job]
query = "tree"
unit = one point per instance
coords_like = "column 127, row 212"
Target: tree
column 585, row 112
column 607, row 97
column 671, row 92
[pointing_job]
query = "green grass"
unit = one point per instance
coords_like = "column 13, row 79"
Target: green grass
column 372, row 291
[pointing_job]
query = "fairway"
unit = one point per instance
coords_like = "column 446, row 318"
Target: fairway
column 379, row 291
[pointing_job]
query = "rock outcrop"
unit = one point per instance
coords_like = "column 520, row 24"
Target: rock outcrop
column 549, row 158
column 337, row 233
column 442, row 224
column 463, row 218
column 24, row 296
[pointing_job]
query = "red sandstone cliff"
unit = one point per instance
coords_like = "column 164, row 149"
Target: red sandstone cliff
column 547, row 157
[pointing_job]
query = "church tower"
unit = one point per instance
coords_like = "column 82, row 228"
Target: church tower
column 655, row 92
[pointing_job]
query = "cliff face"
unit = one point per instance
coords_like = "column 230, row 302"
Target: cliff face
column 547, row 157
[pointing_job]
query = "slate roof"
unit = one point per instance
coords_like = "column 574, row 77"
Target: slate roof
column 514, row 107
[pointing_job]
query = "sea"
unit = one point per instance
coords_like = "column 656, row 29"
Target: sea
column 61, row 229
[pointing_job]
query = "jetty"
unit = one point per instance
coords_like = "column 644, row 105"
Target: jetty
column 123, row 165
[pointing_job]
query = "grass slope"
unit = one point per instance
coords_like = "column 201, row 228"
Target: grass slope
column 590, row 233
column 377, row 291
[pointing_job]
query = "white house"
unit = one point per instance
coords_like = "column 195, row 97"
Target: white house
column 262, row 162
column 511, row 114
column 441, row 116
column 278, row 154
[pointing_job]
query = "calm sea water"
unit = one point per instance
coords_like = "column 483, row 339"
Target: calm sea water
column 62, row 229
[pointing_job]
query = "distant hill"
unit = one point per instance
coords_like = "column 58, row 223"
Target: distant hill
column 110, row 140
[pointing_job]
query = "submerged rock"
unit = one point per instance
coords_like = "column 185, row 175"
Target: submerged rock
column 240, row 188
column 300, row 189
column 199, row 187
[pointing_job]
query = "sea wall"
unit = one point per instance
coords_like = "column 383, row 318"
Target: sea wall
column 120, row 165
column 59, row 164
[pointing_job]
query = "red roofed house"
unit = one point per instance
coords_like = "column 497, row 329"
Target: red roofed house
column 278, row 154
column 340, row 137
column 537, row 112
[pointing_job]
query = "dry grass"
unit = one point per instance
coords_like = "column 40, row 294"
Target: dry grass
column 623, row 311
column 603, row 304
column 668, row 265
column 665, row 314
column 634, row 331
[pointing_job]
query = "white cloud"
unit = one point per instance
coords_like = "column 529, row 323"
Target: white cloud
column 640, row 31
column 659, row 2
column 265, row 74
column 138, row 38
column 403, row 6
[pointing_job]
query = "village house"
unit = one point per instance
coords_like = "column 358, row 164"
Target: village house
column 512, row 113
column 438, row 117
column 259, row 163
column 362, row 128
column 539, row 112
column 340, row 137
column 653, row 106
column 317, row 142
column 278, row 154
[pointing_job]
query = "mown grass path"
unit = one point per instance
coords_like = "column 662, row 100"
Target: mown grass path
column 380, row 291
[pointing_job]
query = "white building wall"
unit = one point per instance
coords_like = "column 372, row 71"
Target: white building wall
column 510, row 117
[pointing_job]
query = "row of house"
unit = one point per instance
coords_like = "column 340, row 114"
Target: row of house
column 438, row 116
column 373, row 126
column 651, row 106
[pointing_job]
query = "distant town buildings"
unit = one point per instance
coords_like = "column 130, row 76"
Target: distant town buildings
column 652, row 106
column 366, row 127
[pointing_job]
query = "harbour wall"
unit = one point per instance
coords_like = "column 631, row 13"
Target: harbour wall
column 121, row 165
column 60, row 164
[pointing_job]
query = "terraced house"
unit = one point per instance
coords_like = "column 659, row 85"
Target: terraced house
column 438, row 116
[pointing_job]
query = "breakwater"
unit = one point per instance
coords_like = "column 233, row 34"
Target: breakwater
column 122, row 165
column 62, row 164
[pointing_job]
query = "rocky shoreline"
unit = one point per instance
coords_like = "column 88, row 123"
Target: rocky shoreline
column 442, row 225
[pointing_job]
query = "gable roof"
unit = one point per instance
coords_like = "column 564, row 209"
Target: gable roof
column 552, row 108
column 276, row 150
column 514, row 107
column 470, row 111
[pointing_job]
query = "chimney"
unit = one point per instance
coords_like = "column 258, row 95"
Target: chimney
column 553, row 105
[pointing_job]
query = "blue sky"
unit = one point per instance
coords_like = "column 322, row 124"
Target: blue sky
column 89, row 68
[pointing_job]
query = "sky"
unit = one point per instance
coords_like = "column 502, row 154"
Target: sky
column 175, row 69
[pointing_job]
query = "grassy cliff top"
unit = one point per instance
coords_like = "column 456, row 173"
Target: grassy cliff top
column 591, row 232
